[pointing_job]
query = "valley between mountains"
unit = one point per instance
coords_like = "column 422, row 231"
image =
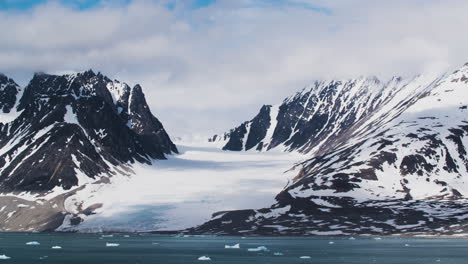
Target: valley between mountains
column 364, row 156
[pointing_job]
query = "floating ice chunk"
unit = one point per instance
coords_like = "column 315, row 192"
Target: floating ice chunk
column 233, row 246
column 304, row 257
column 33, row 243
column 4, row 257
column 126, row 236
column 377, row 238
column 112, row 244
column 155, row 243
column 406, row 245
column 204, row 258
column 352, row 238
column 258, row 249
column 278, row 254
column 107, row 236
column 331, row 242
column 56, row 247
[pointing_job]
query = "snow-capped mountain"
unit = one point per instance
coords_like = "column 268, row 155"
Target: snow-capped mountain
column 8, row 93
column 322, row 113
column 384, row 158
column 73, row 127
column 70, row 130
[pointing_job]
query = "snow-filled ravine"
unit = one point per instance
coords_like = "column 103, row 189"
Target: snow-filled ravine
column 185, row 190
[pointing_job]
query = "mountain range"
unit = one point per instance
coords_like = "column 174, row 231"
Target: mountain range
column 377, row 157
column 66, row 131
column 383, row 157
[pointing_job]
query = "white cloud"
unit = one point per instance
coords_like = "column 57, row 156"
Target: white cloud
column 207, row 69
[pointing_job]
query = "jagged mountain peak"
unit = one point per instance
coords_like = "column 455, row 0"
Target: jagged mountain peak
column 318, row 113
column 9, row 91
column 95, row 132
column 389, row 159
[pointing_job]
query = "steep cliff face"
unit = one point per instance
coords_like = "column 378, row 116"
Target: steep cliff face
column 8, row 93
column 72, row 129
column 323, row 113
column 385, row 159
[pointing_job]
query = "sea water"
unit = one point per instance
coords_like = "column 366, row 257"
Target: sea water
column 145, row 248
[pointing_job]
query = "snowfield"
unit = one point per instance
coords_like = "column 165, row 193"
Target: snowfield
column 185, row 190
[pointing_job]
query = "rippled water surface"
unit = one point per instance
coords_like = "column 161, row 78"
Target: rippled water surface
column 132, row 248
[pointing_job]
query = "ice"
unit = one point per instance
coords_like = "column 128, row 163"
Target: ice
column 112, row 244
column 190, row 187
column 33, row 243
column 56, row 247
column 258, row 249
column 234, row 246
column 204, row 258
column 107, row 236
column 278, row 254
column 331, row 242
column 304, row 257
column 4, row 257
column 407, row 245
column 352, row 238
column 377, row 238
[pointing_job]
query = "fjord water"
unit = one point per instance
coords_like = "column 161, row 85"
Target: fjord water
column 142, row 249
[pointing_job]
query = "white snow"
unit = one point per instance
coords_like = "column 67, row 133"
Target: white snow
column 246, row 136
column 70, row 116
column 117, row 90
column 13, row 114
column 273, row 122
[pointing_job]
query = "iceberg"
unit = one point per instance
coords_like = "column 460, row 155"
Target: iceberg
column 204, row 258
column 112, row 244
column 4, row 257
column 304, row 257
column 56, row 247
column 33, row 243
column 233, row 247
column 258, row 249
column 331, row 242
column 278, row 254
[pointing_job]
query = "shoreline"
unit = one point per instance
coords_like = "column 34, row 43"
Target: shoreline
column 186, row 235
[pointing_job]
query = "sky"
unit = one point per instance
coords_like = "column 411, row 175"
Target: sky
column 208, row 65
